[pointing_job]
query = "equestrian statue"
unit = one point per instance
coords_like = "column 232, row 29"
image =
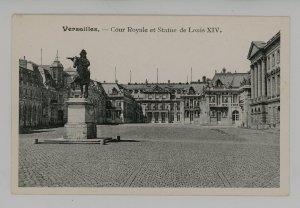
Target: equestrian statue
column 83, row 73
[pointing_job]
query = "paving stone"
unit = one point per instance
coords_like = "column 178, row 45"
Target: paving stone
column 154, row 156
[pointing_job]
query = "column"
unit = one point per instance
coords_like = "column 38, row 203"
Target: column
column 271, row 87
column 122, row 113
column 263, row 75
column 252, row 81
column 153, row 119
column 275, row 87
column 182, row 116
column 259, row 78
column 255, row 80
column 159, row 117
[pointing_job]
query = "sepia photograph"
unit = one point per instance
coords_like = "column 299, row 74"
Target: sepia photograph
column 170, row 105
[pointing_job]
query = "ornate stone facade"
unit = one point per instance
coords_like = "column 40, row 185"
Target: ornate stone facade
column 121, row 107
column 227, row 96
column 170, row 102
column 43, row 92
column 241, row 99
column 265, row 82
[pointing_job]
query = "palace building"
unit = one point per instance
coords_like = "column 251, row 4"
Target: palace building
column 265, row 82
column 249, row 99
column 121, row 107
column 43, row 92
column 228, row 94
column 40, row 94
column 170, row 102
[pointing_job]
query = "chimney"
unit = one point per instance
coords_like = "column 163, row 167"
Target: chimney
column 169, row 82
column 204, row 79
column 224, row 70
column 23, row 63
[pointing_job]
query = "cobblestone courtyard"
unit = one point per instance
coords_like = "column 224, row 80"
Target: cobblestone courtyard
column 154, row 156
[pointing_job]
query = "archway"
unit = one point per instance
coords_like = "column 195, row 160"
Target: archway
column 235, row 116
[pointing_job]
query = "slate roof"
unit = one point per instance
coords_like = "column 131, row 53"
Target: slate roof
column 228, row 79
column 32, row 72
column 167, row 87
column 108, row 87
column 57, row 64
column 46, row 76
column 259, row 44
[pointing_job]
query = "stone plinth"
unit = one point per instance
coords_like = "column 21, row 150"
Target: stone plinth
column 81, row 120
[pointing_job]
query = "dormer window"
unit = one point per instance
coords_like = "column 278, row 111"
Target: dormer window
column 114, row 91
column 191, row 90
column 219, row 83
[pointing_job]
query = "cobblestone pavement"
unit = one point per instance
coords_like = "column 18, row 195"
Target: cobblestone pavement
column 154, row 156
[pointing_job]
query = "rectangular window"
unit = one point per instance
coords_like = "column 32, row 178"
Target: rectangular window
column 212, row 99
column 234, row 98
column 178, row 116
column 224, row 99
column 60, row 99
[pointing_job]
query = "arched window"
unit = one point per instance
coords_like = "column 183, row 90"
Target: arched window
column 235, row 115
column 34, row 115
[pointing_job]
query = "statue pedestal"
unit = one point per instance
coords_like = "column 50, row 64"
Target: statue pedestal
column 81, row 120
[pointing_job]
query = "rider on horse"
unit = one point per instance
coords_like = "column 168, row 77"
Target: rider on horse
column 83, row 78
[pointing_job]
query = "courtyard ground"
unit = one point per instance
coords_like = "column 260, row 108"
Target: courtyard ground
column 154, row 155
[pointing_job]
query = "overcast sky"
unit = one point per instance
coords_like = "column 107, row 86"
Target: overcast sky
column 174, row 54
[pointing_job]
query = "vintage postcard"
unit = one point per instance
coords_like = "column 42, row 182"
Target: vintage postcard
column 150, row 105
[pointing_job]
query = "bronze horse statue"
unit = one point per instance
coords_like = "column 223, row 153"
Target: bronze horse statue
column 83, row 73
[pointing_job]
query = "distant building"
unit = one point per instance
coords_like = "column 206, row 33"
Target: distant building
column 121, row 107
column 227, row 95
column 240, row 99
column 168, row 102
column 40, row 94
column 265, row 82
column 44, row 90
